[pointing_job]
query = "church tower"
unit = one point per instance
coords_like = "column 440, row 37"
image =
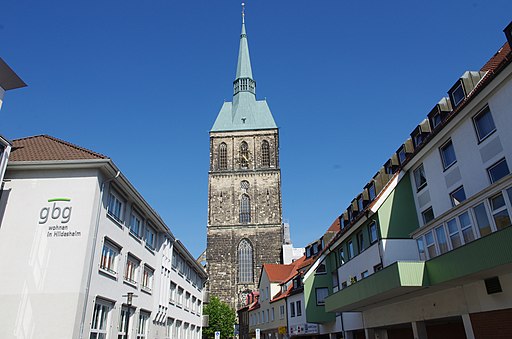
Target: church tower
column 244, row 227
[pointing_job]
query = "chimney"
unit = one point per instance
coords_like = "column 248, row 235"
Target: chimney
column 508, row 33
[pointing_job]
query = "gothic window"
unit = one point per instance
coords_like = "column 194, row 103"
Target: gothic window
column 223, row 156
column 245, row 209
column 245, row 262
column 265, row 154
column 244, row 155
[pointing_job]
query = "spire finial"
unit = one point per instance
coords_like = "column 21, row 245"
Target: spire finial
column 243, row 12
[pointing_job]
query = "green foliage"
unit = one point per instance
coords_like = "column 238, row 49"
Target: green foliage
column 222, row 318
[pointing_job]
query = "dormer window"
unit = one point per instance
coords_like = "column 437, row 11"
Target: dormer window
column 371, row 191
column 402, row 156
column 457, row 94
column 360, row 204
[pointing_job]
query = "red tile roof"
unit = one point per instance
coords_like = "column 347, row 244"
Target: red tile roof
column 335, row 227
column 278, row 272
column 47, row 148
column 497, row 58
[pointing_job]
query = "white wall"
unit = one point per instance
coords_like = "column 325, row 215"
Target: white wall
column 473, row 158
column 43, row 274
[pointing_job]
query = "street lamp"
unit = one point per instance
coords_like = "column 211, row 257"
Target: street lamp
column 129, row 299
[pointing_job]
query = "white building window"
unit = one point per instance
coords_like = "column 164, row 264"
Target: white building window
column 484, row 124
column 109, row 257
column 281, row 312
column 123, row 327
column 135, row 224
column 100, row 319
column 321, row 294
column 458, row 196
column 147, row 278
column 169, row 329
column 498, row 170
column 499, row 212
column 448, row 154
column 298, row 306
column 420, row 179
column 173, row 292
column 180, row 296
column 150, row 237
column 115, row 205
column 142, row 328
column 132, row 266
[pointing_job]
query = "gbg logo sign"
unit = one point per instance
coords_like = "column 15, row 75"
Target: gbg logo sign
column 58, row 212
column 56, row 216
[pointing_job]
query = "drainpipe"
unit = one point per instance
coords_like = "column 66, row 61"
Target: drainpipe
column 94, row 239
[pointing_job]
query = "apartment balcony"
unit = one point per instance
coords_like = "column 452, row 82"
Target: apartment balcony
column 483, row 258
column 379, row 255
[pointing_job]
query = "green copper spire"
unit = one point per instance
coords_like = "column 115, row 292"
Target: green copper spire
column 243, row 69
column 245, row 112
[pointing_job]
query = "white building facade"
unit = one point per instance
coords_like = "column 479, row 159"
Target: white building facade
column 87, row 256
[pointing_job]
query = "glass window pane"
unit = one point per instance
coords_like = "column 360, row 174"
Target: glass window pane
column 431, row 248
column 484, row 124
column 448, row 154
column 453, row 230
column 498, row 171
column 427, row 215
column 458, row 196
column 441, row 239
column 420, row 178
column 502, row 219
column 482, row 220
column 466, row 227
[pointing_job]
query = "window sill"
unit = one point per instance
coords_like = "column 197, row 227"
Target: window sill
column 485, row 138
column 110, row 274
column 449, row 166
column 146, row 289
column 150, row 249
column 130, row 283
column 117, row 221
column 135, row 236
column 419, row 189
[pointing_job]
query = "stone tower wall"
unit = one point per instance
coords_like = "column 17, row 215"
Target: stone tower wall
column 225, row 231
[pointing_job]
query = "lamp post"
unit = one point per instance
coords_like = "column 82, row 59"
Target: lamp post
column 129, row 299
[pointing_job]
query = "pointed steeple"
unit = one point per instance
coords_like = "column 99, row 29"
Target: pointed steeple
column 244, row 81
column 245, row 112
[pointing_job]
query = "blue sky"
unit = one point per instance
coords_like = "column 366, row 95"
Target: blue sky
column 142, row 82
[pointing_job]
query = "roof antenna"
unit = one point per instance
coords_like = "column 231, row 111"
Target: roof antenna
column 243, row 12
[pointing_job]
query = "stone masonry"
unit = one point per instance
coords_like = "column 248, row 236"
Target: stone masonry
column 262, row 183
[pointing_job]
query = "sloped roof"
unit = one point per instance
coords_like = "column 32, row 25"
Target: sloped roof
column 335, row 227
column 8, row 78
column 48, row 148
column 497, row 58
column 278, row 272
column 244, row 113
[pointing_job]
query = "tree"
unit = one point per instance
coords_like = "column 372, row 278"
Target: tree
column 222, row 318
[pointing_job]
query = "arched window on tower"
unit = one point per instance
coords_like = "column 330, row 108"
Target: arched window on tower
column 244, row 155
column 265, row 154
column 245, row 209
column 245, row 262
column 223, row 156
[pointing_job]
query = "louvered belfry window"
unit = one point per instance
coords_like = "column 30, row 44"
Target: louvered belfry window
column 223, row 156
column 265, row 154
